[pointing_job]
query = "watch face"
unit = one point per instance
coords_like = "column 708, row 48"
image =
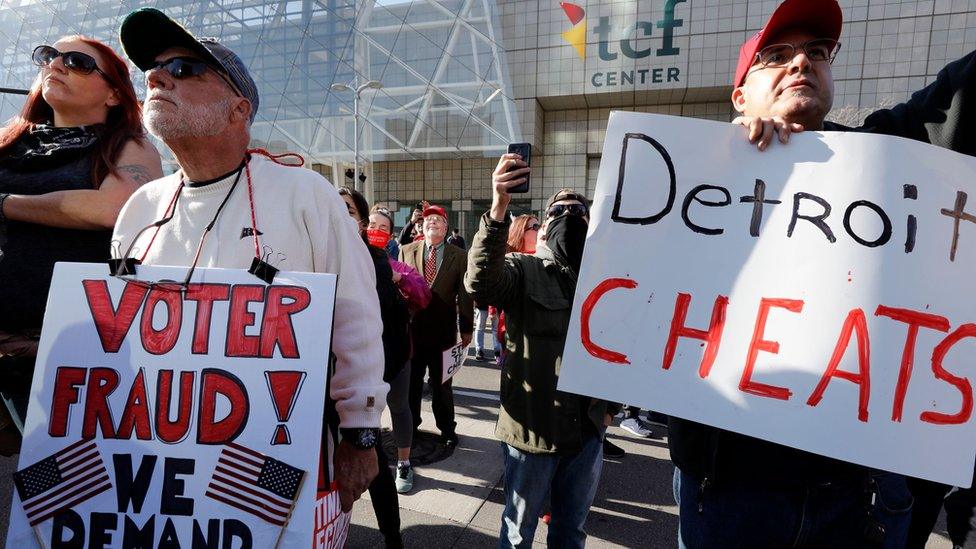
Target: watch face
column 367, row 438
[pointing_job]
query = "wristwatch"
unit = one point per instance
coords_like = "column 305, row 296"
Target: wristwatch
column 363, row 438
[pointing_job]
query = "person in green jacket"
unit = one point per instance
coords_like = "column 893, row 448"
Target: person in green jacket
column 552, row 441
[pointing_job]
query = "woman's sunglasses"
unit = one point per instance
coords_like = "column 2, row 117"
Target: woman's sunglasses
column 186, row 67
column 76, row 61
column 533, row 227
column 571, row 209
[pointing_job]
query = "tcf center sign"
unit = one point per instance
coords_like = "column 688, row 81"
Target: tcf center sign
column 654, row 60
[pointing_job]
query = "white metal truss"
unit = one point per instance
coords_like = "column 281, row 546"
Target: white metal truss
column 495, row 85
column 467, row 85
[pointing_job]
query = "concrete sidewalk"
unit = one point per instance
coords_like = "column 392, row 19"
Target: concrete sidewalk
column 457, row 502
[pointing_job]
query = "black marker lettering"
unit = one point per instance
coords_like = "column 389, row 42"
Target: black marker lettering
column 693, row 196
column 817, row 220
column 758, row 198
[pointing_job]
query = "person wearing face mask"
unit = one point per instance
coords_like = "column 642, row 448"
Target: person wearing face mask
column 415, row 290
column 400, row 290
column 435, row 329
column 552, row 441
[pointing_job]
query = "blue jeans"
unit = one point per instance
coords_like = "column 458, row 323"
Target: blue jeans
column 529, row 478
column 480, row 323
column 740, row 514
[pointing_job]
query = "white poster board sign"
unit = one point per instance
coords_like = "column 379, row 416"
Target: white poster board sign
column 818, row 294
column 159, row 417
column 452, row 360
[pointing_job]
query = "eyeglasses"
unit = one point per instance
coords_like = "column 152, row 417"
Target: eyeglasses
column 568, row 209
column 188, row 67
column 533, row 227
column 76, row 61
column 780, row 55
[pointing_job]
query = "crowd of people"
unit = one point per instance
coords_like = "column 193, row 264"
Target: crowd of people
column 79, row 181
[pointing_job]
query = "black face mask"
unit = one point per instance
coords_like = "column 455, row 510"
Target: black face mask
column 565, row 236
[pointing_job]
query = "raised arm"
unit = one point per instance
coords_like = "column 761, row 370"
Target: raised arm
column 941, row 113
column 490, row 278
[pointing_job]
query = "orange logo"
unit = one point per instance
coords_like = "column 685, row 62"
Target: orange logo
column 576, row 36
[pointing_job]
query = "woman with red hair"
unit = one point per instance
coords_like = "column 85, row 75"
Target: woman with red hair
column 68, row 162
column 522, row 237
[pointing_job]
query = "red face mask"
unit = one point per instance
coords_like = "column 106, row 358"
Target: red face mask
column 377, row 237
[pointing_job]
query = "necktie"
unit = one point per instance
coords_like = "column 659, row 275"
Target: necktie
column 430, row 266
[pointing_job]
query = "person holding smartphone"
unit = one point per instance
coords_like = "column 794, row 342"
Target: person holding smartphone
column 553, row 441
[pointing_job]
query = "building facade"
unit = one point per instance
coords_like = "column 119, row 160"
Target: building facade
column 463, row 78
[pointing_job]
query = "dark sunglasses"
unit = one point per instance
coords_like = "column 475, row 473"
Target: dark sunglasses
column 76, row 61
column 533, row 227
column 187, row 67
column 568, row 209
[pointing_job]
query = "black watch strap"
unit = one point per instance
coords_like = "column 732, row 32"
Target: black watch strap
column 364, row 438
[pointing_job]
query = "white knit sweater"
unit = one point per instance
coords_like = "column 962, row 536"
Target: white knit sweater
column 299, row 214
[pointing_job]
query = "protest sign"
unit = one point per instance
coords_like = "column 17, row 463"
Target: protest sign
column 161, row 417
column 818, row 294
column 451, row 361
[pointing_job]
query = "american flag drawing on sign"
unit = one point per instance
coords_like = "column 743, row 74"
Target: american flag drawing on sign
column 61, row 481
column 255, row 483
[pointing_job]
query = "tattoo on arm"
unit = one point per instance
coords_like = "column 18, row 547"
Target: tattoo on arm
column 136, row 172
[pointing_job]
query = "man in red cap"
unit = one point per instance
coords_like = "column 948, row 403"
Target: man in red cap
column 738, row 491
column 436, row 327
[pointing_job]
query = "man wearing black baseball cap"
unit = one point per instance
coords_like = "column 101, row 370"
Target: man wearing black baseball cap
column 738, row 491
column 200, row 101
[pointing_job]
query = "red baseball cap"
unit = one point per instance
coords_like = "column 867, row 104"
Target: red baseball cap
column 822, row 18
column 436, row 210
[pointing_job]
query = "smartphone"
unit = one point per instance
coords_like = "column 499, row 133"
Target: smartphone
column 525, row 151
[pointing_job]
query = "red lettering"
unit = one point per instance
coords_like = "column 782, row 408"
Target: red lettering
column 276, row 326
column 240, row 344
column 168, row 431
column 588, row 305
column 101, row 383
column 135, row 416
column 712, row 337
column 960, row 383
column 855, row 321
column 67, row 379
column 210, row 430
column 914, row 319
column 112, row 323
column 746, row 384
column 160, row 342
column 204, row 295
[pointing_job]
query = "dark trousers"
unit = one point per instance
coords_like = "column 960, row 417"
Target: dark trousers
column 741, row 514
column 382, row 492
column 442, row 396
column 929, row 499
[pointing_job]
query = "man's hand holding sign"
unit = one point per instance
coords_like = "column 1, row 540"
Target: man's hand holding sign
column 787, row 294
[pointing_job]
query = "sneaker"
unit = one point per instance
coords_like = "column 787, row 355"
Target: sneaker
column 611, row 450
column 404, row 478
column 633, row 426
column 479, row 355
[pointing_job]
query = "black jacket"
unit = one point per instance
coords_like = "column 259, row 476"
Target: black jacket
column 940, row 114
column 395, row 316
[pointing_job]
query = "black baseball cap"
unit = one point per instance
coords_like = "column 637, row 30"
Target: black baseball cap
column 147, row 31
